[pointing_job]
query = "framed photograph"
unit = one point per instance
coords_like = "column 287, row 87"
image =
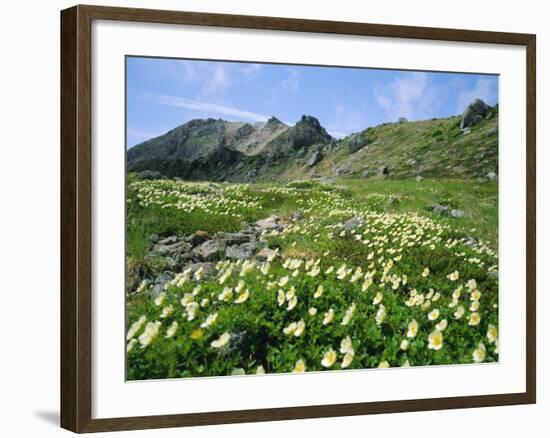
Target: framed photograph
column 268, row 218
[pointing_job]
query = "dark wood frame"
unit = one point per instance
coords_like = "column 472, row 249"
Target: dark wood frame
column 76, row 236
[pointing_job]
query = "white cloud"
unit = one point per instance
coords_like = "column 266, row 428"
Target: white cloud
column 337, row 134
column 211, row 80
column 346, row 121
column 483, row 89
column 406, row 96
column 206, row 107
column 292, row 83
column 216, row 82
column 251, row 70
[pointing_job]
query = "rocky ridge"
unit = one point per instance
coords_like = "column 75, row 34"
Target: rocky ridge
column 463, row 146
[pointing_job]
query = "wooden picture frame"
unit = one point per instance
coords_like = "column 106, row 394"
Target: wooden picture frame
column 76, row 217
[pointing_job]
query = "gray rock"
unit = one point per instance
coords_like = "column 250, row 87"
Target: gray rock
column 315, row 158
column 473, row 113
column 269, row 223
column 306, row 132
column 471, row 242
column 466, row 131
column 352, row 223
column 243, row 252
column 197, row 238
column 411, row 162
column 419, row 178
column 209, row 250
column 167, row 240
column 491, row 176
column 440, row 209
column 384, row 170
column 170, row 263
column 154, row 237
column 158, row 284
column 365, row 174
column 341, row 171
column 234, row 238
column 356, row 143
column 266, row 254
column 164, row 248
column 296, row 216
column 209, row 269
column 456, row 213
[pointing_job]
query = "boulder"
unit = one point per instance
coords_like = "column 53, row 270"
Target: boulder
column 209, row 250
column 440, row 209
column 266, row 254
column 365, row 174
column 491, row 176
column 154, row 237
column 208, row 269
column 242, row 252
column 315, row 158
column 356, row 143
column 474, row 113
column 456, row 213
column 470, row 241
column 170, row 246
column 419, row 178
column 352, row 223
column 234, row 238
column 269, row 223
column 197, row 238
column 341, row 171
column 167, row 240
column 158, row 284
column 384, row 170
column 296, row 216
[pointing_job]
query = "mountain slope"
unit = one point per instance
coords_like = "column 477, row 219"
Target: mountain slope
column 218, row 150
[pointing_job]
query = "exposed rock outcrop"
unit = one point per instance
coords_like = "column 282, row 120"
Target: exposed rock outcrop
column 474, row 113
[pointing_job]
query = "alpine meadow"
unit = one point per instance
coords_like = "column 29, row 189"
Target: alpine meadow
column 288, row 219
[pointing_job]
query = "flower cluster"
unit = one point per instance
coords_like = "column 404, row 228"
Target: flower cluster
column 348, row 286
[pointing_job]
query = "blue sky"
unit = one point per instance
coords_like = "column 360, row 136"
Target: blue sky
column 165, row 93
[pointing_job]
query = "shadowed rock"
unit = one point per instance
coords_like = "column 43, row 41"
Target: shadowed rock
column 474, row 113
column 315, row 158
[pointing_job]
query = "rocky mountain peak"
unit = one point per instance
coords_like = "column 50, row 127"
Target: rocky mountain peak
column 308, row 131
column 310, row 121
column 273, row 122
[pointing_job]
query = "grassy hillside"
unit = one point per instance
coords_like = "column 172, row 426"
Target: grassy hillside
column 431, row 148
